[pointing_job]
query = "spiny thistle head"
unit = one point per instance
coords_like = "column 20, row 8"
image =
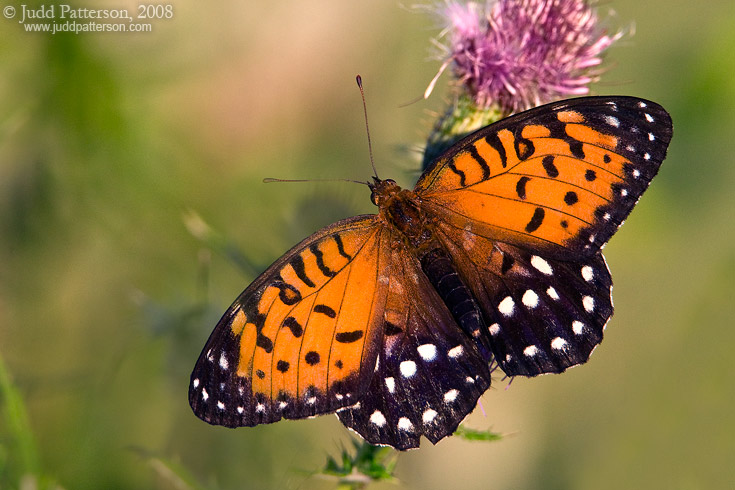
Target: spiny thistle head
column 512, row 55
column 518, row 54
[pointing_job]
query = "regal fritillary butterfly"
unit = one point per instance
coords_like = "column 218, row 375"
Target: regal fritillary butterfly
column 393, row 320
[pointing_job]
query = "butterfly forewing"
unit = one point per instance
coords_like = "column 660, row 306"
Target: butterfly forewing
column 558, row 179
column 301, row 339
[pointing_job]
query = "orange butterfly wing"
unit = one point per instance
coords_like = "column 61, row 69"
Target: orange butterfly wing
column 429, row 375
column 300, row 340
column 524, row 206
column 559, row 178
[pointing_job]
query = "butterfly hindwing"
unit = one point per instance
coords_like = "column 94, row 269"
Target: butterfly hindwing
column 302, row 339
column 429, row 374
column 542, row 315
column 558, row 179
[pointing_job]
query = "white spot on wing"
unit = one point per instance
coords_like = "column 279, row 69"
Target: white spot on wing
column 260, row 408
column 649, row 117
column 390, row 383
column 636, row 172
column 427, row 352
column 240, row 410
column 530, row 351
column 651, row 137
column 612, row 121
column 577, row 327
column 220, row 405
column 455, row 352
column 558, row 343
column 405, row 424
column 205, row 395
column 646, row 156
column 541, row 265
column 642, row 105
column 494, row 329
column 451, row 395
column 378, row 418
column 195, row 383
column 552, row 293
column 223, row 361
column 589, row 304
column 530, row 299
column 282, row 405
column 311, row 400
column 506, row 306
column 429, row 416
column 588, row 273
column 408, row 369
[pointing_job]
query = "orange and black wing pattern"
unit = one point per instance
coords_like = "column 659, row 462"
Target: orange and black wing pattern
column 560, row 178
column 524, row 207
column 395, row 320
column 302, row 339
column 429, row 373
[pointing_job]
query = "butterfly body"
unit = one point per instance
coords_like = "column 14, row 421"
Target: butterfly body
column 394, row 320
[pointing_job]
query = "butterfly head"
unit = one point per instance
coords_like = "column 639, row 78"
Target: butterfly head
column 382, row 190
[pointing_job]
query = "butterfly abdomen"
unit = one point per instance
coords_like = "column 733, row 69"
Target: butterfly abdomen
column 458, row 298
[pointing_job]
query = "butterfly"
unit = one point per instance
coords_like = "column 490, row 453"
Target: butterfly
column 395, row 320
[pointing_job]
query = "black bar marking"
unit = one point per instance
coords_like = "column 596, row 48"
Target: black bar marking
column 293, row 325
column 348, row 337
column 481, row 161
column 259, row 373
column 320, row 261
column 536, row 220
column 521, row 186
column 298, row 266
column 549, row 167
column 264, row 342
column 494, row 141
column 454, row 169
column 325, row 310
column 341, row 247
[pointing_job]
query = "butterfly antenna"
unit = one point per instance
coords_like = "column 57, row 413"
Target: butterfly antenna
column 367, row 126
column 270, row 180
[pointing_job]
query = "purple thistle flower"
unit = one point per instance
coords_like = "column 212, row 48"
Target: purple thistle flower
column 517, row 54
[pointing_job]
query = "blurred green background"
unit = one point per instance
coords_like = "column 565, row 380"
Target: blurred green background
column 109, row 142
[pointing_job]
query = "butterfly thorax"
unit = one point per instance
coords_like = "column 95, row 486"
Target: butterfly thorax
column 400, row 209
